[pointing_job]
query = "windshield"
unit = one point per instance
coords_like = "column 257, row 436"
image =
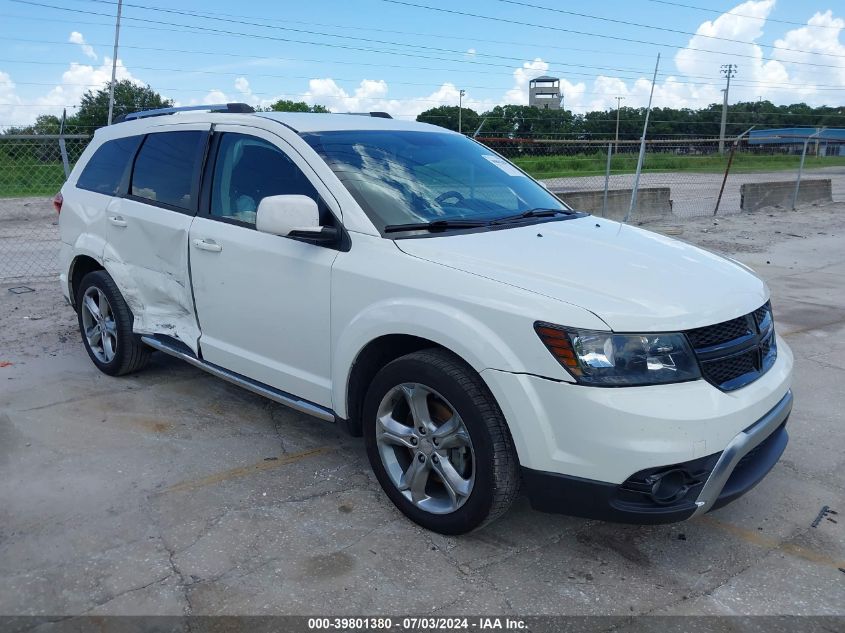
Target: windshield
column 403, row 177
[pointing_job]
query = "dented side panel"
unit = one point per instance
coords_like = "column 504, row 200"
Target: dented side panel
column 148, row 259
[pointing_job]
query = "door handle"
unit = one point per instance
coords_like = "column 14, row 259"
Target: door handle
column 208, row 245
column 117, row 220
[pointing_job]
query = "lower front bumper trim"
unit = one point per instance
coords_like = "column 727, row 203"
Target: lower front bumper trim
column 712, row 481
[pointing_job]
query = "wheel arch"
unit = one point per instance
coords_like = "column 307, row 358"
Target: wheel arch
column 388, row 330
column 79, row 267
column 370, row 359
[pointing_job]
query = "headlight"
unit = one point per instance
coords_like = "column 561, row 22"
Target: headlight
column 620, row 360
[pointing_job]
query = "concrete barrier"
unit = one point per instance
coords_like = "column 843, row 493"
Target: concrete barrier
column 652, row 202
column 758, row 195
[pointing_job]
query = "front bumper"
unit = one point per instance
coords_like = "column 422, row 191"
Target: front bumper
column 605, row 434
column 674, row 492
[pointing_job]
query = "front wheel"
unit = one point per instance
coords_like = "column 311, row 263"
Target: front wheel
column 438, row 443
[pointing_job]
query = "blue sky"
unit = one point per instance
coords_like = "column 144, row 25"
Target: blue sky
column 387, row 55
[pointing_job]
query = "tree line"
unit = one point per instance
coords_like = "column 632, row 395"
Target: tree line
column 514, row 121
column 518, row 121
column 93, row 109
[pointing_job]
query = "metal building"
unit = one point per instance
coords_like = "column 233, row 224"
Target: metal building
column 790, row 140
column 544, row 92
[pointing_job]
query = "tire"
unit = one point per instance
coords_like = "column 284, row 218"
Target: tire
column 120, row 351
column 474, row 443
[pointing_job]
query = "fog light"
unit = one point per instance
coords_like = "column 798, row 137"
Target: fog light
column 668, row 486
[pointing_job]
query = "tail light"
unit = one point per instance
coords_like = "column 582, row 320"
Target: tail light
column 57, row 202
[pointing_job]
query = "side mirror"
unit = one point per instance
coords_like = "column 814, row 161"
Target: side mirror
column 282, row 215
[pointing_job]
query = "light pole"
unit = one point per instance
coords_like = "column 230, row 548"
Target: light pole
column 728, row 70
column 461, row 94
column 114, row 59
column 616, row 143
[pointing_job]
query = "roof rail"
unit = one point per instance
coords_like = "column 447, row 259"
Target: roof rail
column 235, row 108
column 378, row 115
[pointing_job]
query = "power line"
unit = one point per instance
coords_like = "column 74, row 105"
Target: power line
column 217, row 31
column 462, row 38
column 368, row 40
column 211, row 15
column 577, row 32
column 567, row 72
column 754, row 84
column 202, row 30
column 433, row 49
column 744, row 15
column 637, row 24
column 229, row 33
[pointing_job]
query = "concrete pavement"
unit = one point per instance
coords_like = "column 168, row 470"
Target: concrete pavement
column 171, row 492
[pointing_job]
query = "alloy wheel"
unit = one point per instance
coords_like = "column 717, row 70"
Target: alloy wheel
column 425, row 448
column 99, row 326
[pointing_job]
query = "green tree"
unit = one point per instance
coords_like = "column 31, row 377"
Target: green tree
column 129, row 97
column 44, row 124
column 286, row 105
column 447, row 116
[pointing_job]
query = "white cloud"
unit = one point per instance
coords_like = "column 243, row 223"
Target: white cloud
column 694, row 81
column 242, row 86
column 75, row 82
column 752, row 68
column 698, row 81
column 212, row 97
column 77, row 38
column 820, row 41
column 518, row 95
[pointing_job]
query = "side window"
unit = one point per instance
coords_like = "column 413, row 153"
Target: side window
column 249, row 169
column 166, row 168
column 104, row 172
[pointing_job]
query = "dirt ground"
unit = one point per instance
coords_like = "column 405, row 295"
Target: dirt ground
column 171, row 492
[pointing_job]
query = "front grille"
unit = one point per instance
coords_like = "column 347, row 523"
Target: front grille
column 719, row 333
column 735, row 353
column 722, row 371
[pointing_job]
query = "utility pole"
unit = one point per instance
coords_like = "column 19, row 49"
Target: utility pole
column 619, row 101
column 635, row 190
column 461, row 94
column 114, row 60
column 728, row 70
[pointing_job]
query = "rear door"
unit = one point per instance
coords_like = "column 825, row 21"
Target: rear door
column 148, row 228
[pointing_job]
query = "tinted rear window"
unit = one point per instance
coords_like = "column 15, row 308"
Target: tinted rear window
column 105, row 170
column 167, row 166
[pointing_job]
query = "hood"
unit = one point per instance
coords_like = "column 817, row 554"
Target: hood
column 633, row 279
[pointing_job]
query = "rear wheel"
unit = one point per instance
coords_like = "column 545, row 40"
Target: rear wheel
column 438, row 443
column 105, row 323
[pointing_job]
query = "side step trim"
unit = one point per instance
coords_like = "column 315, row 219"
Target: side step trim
column 298, row 404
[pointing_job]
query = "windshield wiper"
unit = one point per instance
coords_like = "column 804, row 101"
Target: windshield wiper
column 434, row 225
column 532, row 213
column 443, row 225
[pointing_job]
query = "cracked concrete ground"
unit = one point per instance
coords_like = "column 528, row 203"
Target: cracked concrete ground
column 172, row 492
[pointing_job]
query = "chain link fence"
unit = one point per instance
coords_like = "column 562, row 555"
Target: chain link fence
column 32, row 170
column 681, row 178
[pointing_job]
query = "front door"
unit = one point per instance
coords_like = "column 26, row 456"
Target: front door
column 262, row 300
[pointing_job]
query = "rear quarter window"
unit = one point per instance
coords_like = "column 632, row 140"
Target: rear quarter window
column 104, row 172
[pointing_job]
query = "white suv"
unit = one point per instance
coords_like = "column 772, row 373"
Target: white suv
column 414, row 286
